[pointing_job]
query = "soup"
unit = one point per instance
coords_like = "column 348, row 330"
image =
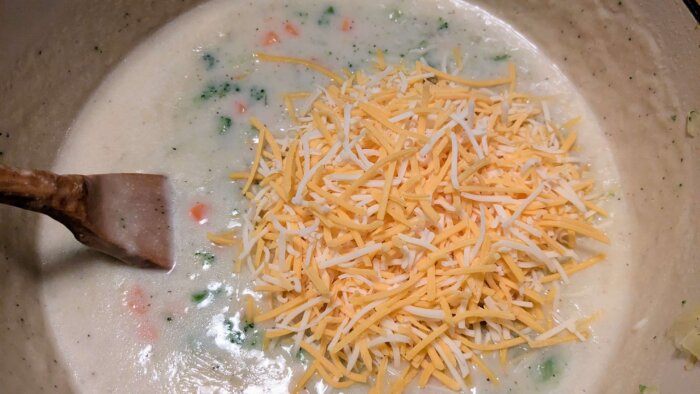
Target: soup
column 180, row 104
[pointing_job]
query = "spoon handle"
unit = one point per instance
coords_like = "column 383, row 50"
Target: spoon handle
column 60, row 196
column 126, row 216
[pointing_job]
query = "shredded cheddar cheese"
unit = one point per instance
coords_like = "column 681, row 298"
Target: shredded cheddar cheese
column 414, row 220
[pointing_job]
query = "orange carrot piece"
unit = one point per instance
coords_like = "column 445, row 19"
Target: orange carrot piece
column 147, row 331
column 291, row 29
column 271, row 38
column 198, row 212
column 346, row 25
column 136, row 300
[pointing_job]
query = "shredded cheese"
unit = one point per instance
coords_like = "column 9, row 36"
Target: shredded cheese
column 405, row 214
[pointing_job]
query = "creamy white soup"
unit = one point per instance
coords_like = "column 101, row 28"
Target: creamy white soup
column 180, row 105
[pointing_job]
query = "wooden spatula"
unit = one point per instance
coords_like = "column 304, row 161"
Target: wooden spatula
column 126, row 216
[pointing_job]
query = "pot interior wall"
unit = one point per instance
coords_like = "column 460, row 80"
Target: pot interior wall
column 635, row 64
column 54, row 53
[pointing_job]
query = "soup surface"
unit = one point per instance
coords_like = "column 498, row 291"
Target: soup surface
column 180, row 105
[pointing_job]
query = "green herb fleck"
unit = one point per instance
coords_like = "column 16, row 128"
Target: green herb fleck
column 169, row 318
column 674, row 117
column 303, row 356
column 224, row 124
column 209, row 60
column 642, row 388
column 325, row 18
column 395, row 15
column 683, row 302
column 218, row 91
column 224, row 89
column 209, row 92
column 236, row 337
column 501, row 57
column 233, row 336
column 249, row 326
column 200, row 296
column 548, row 369
column 692, row 126
column 258, row 94
column 248, row 336
column 442, row 24
column 205, row 257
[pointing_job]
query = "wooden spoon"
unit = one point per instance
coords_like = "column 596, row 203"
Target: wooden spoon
column 126, row 216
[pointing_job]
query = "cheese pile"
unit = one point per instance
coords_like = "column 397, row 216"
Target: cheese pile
column 415, row 220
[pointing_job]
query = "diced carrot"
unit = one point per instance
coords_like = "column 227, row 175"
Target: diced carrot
column 240, row 107
column 147, row 331
column 271, row 38
column 136, row 300
column 291, row 29
column 198, row 212
column 346, row 25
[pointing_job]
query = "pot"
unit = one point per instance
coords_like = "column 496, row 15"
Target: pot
column 635, row 63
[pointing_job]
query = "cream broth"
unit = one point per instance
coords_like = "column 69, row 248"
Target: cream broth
column 179, row 105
